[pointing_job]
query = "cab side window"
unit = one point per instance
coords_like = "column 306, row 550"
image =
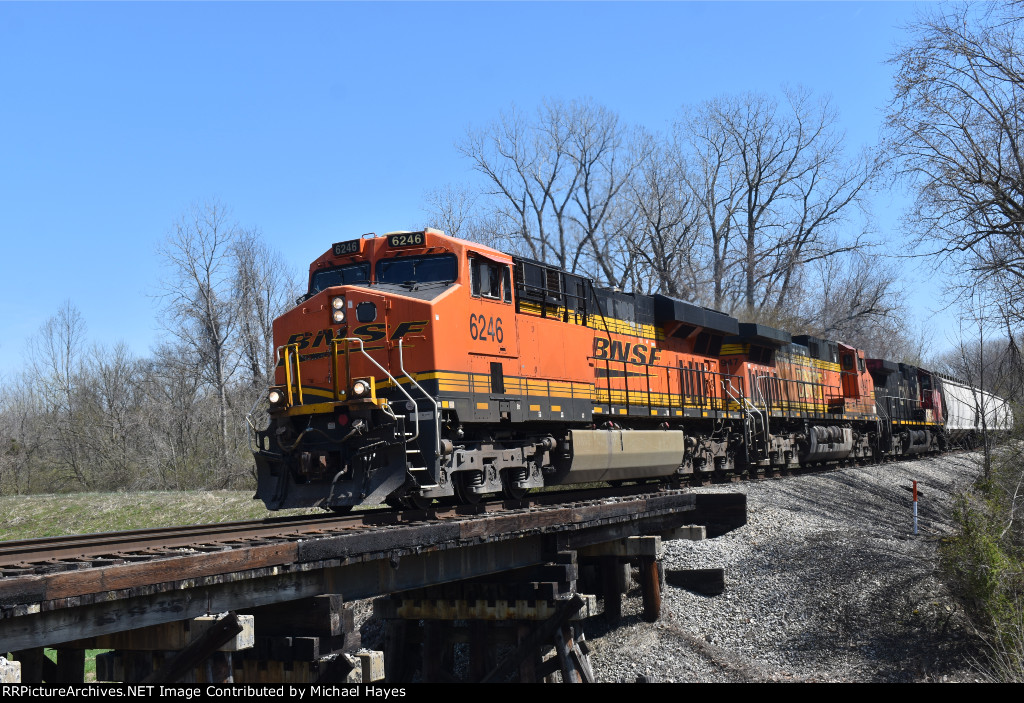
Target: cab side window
column 489, row 280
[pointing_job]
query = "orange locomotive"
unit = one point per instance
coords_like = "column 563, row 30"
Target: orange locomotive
column 809, row 400
column 420, row 366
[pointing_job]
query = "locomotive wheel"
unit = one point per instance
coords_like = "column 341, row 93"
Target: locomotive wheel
column 342, row 509
column 409, row 501
column 461, row 483
column 417, row 502
column 514, row 492
column 509, row 489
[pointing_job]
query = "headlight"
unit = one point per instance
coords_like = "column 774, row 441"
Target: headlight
column 338, row 309
column 360, row 388
column 338, row 316
column 274, row 397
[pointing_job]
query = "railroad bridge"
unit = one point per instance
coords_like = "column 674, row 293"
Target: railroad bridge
column 268, row 601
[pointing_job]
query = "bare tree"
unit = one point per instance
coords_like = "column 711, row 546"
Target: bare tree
column 709, row 168
column 56, row 361
column 775, row 187
column 103, row 419
column 115, row 428
column 555, row 182
column 604, row 161
column 450, row 209
column 201, row 307
column 23, row 436
column 263, row 289
column 858, row 299
column 179, row 433
column 666, row 225
column 526, row 168
column 956, row 125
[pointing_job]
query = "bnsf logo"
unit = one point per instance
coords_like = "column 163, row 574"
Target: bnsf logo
column 373, row 332
column 624, row 351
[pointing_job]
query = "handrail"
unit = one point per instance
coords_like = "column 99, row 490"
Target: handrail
column 253, row 434
column 753, row 408
column 434, row 401
column 288, row 371
column 362, row 348
column 765, row 403
column 879, row 414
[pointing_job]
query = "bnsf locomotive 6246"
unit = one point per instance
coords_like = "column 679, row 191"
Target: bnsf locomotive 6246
column 420, row 366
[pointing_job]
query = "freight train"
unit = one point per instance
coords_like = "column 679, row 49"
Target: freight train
column 420, row 366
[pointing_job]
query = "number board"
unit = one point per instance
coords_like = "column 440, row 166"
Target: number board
column 406, row 239
column 352, row 246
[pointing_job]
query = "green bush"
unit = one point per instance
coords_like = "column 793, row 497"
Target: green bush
column 985, row 561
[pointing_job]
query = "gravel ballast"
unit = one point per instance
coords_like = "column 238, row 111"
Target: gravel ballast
column 826, row 582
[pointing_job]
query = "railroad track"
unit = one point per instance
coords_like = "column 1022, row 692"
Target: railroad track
column 72, row 552
column 151, row 542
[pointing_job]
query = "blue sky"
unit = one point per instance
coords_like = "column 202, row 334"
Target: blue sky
column 316, row 122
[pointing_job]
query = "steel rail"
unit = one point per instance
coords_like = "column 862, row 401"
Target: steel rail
column 110, row 543
column 158, row 542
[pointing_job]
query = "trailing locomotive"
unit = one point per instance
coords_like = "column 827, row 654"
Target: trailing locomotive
column 420, row 367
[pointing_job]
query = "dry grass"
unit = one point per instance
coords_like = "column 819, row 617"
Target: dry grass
column 24, row 517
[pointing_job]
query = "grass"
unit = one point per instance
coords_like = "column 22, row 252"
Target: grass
column 90, row 661
column 25, row 517
column 52, row 515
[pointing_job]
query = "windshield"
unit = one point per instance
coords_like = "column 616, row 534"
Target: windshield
column 418, row 269
column 340, row 276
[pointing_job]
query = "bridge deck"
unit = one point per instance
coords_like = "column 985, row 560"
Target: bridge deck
column 44, row 609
